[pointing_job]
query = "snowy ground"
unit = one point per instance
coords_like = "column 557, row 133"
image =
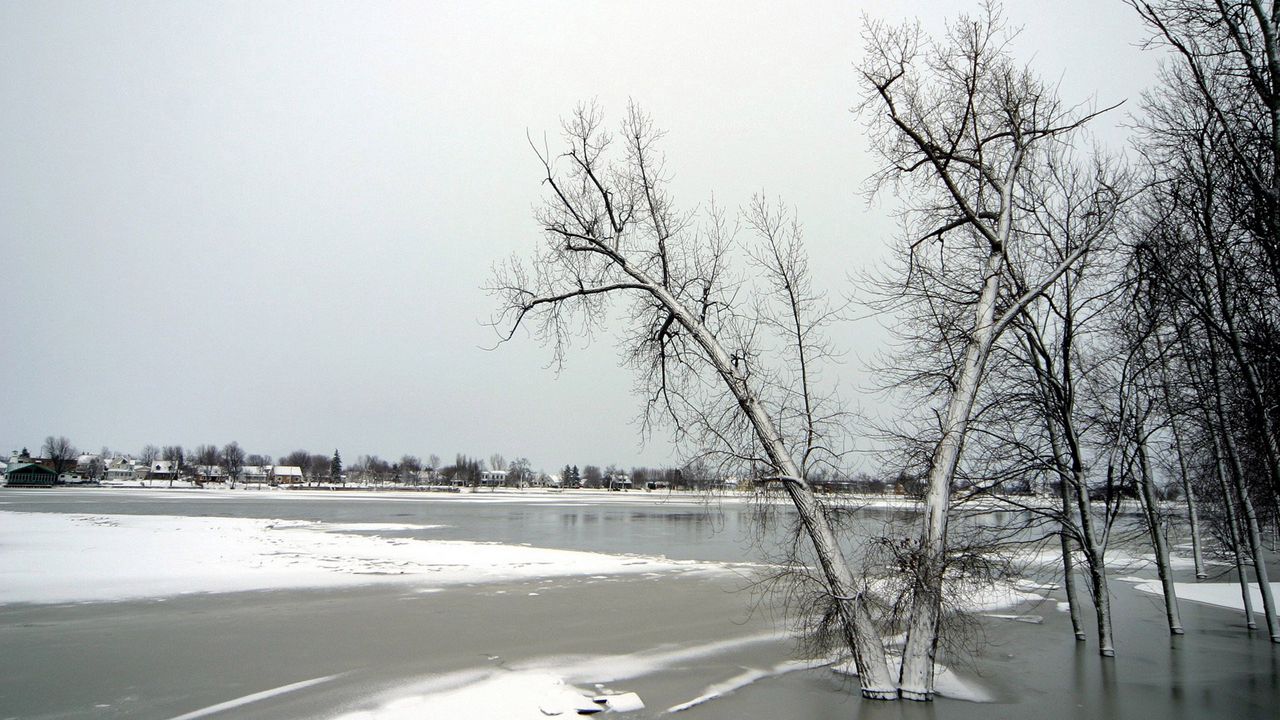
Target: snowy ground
column 56, row 558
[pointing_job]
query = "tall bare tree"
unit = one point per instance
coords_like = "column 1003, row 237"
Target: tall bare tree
column 231, row 459
column 1210, row 238
column 697, row 344
column 963, row 132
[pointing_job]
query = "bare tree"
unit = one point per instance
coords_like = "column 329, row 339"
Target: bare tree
column 1133, row 421
column 1055, row 354
column 149, row 454
column 410, row 465
column 175, row 455
column 519, row 472
column 697, row 344
column 60, row 452
column 317, row 467
column 232, row 461
column 206, row 459
column 963, row 132
column 1210, row 241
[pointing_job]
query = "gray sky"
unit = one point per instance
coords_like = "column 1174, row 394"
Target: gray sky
column 269, row 222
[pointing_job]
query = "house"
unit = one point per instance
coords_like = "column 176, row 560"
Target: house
column 617, row 481
column 122, row 470
column 286, row 474
column 209, row 473
column 161, row 470
column 29, row 474
column 493, row 478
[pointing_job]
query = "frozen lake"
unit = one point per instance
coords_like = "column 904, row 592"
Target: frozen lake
column 355, row 605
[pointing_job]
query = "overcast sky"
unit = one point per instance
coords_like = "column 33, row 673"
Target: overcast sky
column 270, row 222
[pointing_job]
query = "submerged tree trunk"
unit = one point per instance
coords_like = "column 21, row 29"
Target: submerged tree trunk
column 1068, row 576
column 1251, row 530
column 1254, row 536
column 1237, row 542
column 860, row 632
column 1156, row 530
column 916, row 679
column 1065, row 492
column 1189, row 495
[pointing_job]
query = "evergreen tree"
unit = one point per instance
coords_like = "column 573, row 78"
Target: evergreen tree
column 335, row 467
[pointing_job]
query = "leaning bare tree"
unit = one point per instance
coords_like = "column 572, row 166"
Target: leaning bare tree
column 963, row 131
column 723, row 335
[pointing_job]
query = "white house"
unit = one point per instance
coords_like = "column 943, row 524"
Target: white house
column 121, row 469
column 287, row 474
column 162, row 470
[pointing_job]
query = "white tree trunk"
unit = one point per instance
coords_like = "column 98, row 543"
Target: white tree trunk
column 916, row 679
column 860, row 631
column 1155, row 529
column 1237, row 542
column 1251, row 530
column 1254, row 536
column 1189, row 494
column 1069, row 582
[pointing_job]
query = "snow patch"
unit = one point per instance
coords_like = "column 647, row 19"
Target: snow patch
column 497, row 695
column 248, row 699
column 52, row 558
column 747, row 677
column 548, row 686
column 1224, row 595
column 946, row 682
column 997, row 596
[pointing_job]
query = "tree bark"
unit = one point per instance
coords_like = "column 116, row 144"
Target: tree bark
column 1233, row 526
column 860, row 632
column 1251, row 529
column 916, row 679
column 1156, row 530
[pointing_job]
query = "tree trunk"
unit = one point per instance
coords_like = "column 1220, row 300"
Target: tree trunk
column 860, row 632
column 1189, row 494
column 1069, row 580
column 1155, row 528
column 1071, row 479
column 1251, row 530
column 1254, row 536
column 916, row 679
column 1237, row 542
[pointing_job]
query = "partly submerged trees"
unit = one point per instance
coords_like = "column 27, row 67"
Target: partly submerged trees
column 967, row 137
column 733, row 376
column 1209, row 240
